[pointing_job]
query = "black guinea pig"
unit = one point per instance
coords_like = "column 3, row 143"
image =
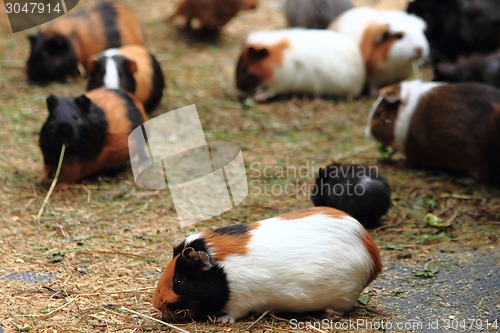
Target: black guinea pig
column 62, row 46
column 445, row 126
column 95, row 129
column 360, row 191
column 132, row 68
column 314, row 14
column 475, row 68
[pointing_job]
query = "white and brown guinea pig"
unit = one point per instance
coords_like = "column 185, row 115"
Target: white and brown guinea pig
column 65, row 44
column 309, row 260
column 132, row 68
column 211, row 14
column 448, row 126
column 389, row 40
column 319, row 62
column 95, row 129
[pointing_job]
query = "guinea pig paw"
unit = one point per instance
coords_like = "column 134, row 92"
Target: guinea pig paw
column 226, row 319
column 261, row 96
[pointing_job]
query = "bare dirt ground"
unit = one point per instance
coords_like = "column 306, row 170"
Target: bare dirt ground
column 101, row 245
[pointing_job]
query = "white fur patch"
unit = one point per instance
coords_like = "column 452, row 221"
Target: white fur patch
column 111, row 78
column 411, row 91
column 305, row 264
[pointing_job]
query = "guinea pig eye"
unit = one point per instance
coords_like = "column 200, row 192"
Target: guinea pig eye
column 177, row 285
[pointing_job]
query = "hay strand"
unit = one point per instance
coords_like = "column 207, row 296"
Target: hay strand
column 53, row 185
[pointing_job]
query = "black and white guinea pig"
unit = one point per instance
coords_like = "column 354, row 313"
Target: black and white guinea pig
column 474, row 68
column 256, row 267
column 62, row 46
column 389, row 41
column 95, row 129
column 317, row 62
column 132, row 68
column 314, row 14
column 359, row 190
column 453, row 126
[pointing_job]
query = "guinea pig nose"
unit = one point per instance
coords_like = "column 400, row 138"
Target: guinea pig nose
column 419, row 52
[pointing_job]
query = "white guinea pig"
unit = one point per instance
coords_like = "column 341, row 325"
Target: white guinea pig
column 449, row 126
column 309, row 260
column 319, row 62
column 389, row 41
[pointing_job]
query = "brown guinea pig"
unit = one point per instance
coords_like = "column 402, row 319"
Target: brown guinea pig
column 60, row 47
column 95, row 129
column 212, row 14
column 132, row 68
column 308, row 260
column 453, row 126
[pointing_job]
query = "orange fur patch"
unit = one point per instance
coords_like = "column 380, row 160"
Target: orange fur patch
column 163, row 293
column 265, row 68
column 372, row 249
column 223, row 244
column 313, row 211
column 375, row 54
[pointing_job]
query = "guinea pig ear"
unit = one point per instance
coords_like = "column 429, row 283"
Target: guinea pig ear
column 391, row 94
column 257, row 54
column 52, row 102
column 91, row 65
column 33, row 37
column 131, row 66
column 198, row 259
column 83, row 103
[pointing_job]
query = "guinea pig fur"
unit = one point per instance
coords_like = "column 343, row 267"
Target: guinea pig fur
column 95, row 129
column 211, row 14
column 61, row 46
column 453, row 126
column 314, row 14
column 258, row 267
column 474, row 68
column 131, row 68
column 319, row 62
column 389, row 40
column 359, row 190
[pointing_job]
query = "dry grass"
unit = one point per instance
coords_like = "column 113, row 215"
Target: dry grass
column 108, row 240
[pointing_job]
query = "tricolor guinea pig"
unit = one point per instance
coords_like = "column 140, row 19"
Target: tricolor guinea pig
column 314, row 14
column 131, row 68
column 319, row 62
column 211, row 14
column 95, row 129
column 389, row 41
column 60, row 47
column 359, row 190
column 308, row 260
column 453, row 126
column 474, row 68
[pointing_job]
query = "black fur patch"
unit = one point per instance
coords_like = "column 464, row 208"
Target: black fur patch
column 358, row 190
column 237, row 230
column 109, row 20
column 157, row 86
